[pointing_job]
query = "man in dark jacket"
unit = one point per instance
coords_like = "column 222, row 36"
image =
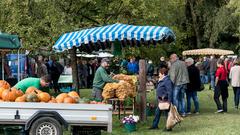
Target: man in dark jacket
column 163, row 93
column 193, row 86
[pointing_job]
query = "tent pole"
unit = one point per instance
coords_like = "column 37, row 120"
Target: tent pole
column 142, row 89
column 18, row 71
column 2, row 66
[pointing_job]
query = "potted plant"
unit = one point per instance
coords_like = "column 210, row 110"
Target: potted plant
column 130, row 122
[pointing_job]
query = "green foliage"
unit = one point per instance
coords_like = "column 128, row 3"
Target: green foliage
column 39, row 23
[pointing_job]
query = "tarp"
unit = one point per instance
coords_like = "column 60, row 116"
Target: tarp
column 8, row 41
column 111, row 33
column 207, row 51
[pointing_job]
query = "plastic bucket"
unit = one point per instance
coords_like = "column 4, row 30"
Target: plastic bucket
column 130, row 127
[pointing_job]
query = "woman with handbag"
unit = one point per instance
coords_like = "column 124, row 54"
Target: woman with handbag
column 164, row 96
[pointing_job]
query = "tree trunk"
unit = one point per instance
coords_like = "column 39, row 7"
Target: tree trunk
column 194, row 23
column 74, row 68
column 142, row 89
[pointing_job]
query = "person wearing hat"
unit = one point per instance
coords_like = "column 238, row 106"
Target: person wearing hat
column 100, row 79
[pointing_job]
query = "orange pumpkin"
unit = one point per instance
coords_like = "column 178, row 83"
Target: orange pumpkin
column 60, row 97
column 69, row 100
column 4, row 84
column 21, row 99
column 9, row 95
column 32, row 97
column 19, row 93
column 44, row 97
column 74, row 95
column 1, row 91
column 31, row 89
column 53, row 100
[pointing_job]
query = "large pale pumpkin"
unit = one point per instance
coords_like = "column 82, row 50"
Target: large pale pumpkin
column 9, row 95
column 4, row 84
column 60, row 97
column 69, row 100
column 44, row 97
column 32, row 97
column 74, row 95
column 31, row 90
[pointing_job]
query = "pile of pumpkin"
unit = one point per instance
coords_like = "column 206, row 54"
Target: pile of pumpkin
column 32, row 94
column 122, row 90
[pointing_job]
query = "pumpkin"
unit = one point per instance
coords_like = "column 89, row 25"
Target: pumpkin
column 1, row 91
column 53, row 100
column 69, row 100
column 32, row 97
column 21, row 99
column 31, row 90
column 9, row 95
column 60, row 97
column 19, row 93
column 74, row 95
column 4, row 84
column 44, row 96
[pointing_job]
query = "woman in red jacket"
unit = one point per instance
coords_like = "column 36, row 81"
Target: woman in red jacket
column 221, row 88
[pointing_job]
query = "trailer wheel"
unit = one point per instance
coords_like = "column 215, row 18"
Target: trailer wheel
column 46, row 126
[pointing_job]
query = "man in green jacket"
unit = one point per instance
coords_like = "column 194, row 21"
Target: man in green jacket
column 100, row 79
column 38, row 83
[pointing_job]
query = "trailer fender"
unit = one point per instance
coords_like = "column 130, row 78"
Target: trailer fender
column 52, row 114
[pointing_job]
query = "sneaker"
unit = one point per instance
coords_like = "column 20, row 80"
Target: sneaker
column 184, row 115
column 219, row 111
column 188, row 113
column 196, row 113
column 153, row 128
column 167, row 130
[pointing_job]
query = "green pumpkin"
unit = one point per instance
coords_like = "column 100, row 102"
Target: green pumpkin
column 32, row 97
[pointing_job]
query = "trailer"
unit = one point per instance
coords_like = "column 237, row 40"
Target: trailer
column 53, row 118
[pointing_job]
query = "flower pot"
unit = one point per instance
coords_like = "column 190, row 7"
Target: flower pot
column 130, row 127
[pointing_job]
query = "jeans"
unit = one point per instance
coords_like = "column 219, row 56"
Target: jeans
column 236, row 91
column 212, row 74
column 178, row 98
column 221, row 90
column 193, row 95
column 158, row 113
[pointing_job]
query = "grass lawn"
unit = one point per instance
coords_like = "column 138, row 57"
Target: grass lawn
column 206, row 123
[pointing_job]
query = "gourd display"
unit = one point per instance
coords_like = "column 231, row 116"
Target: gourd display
column 125, row 88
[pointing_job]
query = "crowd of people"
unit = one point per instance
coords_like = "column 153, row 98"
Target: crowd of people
column 180, row 77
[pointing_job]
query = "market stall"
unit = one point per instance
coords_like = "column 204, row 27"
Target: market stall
column 93, row 39
column 7, row 43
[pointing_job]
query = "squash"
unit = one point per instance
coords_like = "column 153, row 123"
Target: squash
column 1, row 91
column 32, row 97
column 44, row 96
column 21, row 99
column 19, row 93
column 69, row 100
column 74, row 95
column 53, row 100
column 4, row 84
column 60, row 97
column 9, row 95
column 31, row 90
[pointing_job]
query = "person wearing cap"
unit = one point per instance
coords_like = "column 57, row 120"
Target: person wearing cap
column 100, row 79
